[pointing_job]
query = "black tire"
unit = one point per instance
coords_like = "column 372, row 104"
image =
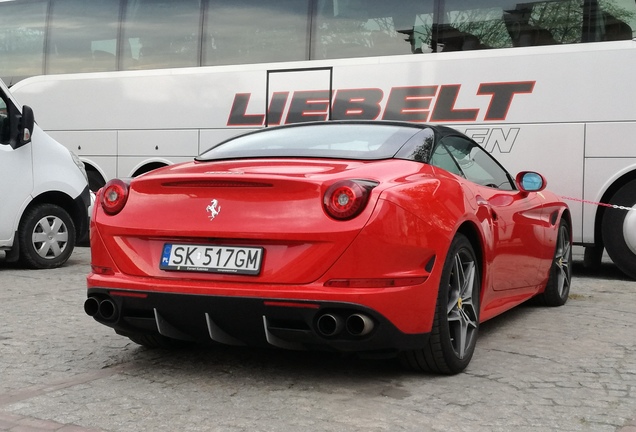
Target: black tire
column 455, row 327
column 557, row 288
column 620, row 242
column 46, row 237
column 157, row 341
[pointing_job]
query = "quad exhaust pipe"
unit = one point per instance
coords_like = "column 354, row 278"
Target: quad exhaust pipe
column 329, row 325
column 104, row 309
column 91, row 306
column 357, row 324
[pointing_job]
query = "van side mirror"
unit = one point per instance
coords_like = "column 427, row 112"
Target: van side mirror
column 22, row 127
column 26, row 124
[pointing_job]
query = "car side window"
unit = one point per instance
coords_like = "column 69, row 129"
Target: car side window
column 441, row 158
column 476, row 164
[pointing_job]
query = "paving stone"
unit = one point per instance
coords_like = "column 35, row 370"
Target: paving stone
column 535, row 369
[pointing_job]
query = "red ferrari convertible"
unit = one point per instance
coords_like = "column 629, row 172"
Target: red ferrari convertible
column 379, row 238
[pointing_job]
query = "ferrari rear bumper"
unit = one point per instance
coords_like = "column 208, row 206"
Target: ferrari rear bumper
column 282, row 323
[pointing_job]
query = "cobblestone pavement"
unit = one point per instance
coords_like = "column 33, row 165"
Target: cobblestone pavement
column 535, row 369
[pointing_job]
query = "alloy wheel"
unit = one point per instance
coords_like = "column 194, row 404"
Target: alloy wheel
column 461, row 310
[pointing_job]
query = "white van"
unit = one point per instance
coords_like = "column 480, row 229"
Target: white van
column 44, row 195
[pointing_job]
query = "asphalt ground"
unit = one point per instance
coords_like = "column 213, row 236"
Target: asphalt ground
column 535, row 368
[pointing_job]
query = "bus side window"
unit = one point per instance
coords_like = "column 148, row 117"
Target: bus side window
column 22, row 32
column 256, row 31
column 449, row 38
column 615, row 29
column 82, row 36
column 464, row 28
column 524, row 34
column 616, row 19
column 547, row 23
column 161, row 34
column 355, row 28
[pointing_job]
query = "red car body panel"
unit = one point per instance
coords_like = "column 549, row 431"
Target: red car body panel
column 402, row 236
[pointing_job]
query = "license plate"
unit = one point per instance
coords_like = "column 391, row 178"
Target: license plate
column 211, row 258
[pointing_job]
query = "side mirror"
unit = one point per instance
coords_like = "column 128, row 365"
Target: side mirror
column 22, row 127
column 27, row 121
column 529, row 181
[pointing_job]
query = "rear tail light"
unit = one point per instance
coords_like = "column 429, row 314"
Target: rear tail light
column 101, row 270
column 347, row 198
column 113, row 196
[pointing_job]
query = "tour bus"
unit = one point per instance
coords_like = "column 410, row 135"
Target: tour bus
column 544, row 85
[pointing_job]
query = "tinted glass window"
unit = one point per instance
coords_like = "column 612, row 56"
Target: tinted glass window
column 83, row 36
column 441, row 158
column 466, row 26
column 476, row 164
column 419, row 148
column 549, row 23
column 614, row 20
column 21, row 39
column 422, row 37
column 161, row 34
column 254, row 31
column 358, row 28
column 507, row 23
column 329, row 140
column 4, row 123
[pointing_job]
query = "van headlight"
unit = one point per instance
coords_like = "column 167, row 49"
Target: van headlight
column 79, row 164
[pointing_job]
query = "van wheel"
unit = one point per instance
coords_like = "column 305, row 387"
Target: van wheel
column 619, row 230
column 46, row 237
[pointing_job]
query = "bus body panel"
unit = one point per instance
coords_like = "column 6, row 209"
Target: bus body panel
column 610, row 140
